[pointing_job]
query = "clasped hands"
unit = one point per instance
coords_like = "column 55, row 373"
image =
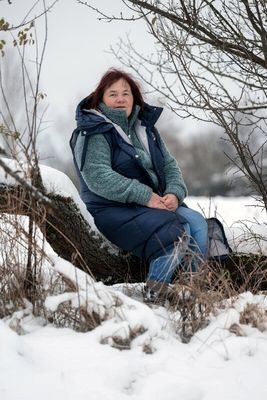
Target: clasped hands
column 167, row 202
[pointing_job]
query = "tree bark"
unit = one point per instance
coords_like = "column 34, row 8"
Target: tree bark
column 73, row 239
column 88, row 250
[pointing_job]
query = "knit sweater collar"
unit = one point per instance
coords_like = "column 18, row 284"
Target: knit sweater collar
column 119, row 117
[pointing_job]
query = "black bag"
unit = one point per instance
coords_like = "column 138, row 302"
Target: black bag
column 219, row 248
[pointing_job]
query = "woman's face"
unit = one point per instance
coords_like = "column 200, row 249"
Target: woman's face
column 119, row 96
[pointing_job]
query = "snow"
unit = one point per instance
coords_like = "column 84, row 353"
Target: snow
column 226, row 360
column 245, row 222
column 54, row 181
column 51, row 363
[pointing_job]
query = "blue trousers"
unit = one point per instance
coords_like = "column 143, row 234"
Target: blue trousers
column 194, row 243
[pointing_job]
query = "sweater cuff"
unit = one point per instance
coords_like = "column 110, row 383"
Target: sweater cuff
column 141, row 196
column 179, row 193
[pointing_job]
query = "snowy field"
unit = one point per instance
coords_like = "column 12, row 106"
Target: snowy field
column 227, row 360
column 46, row 363
column 245, row 224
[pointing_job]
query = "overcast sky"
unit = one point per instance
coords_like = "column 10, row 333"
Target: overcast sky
column 78, row 45
column 77, row 55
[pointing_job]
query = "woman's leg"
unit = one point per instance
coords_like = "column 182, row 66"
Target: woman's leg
column 162, row 268
column 198, row 231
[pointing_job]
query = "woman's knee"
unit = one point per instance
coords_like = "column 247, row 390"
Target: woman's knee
column 201, row 222
column 193, row 217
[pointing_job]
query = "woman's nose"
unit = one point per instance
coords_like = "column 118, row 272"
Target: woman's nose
column 120, row 99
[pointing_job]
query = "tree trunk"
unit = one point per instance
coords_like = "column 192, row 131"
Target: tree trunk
column 73, row 239
column 88, row 250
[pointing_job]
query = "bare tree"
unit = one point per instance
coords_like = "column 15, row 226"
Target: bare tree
column 209, row 178
column 210, row 63
column 20, row 77
column 20, row 122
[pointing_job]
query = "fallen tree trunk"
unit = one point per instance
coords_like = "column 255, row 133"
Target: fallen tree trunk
column 73, row 239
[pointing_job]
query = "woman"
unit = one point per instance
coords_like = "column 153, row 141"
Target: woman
column 131, row 184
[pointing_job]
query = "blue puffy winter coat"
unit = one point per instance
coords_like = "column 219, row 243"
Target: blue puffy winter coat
column 144, row 231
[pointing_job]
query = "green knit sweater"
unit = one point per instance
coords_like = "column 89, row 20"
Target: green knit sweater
column 104, row 181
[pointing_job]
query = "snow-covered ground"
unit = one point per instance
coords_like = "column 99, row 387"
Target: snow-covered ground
column 226, row 360
column 245, row 222
column 59, row 364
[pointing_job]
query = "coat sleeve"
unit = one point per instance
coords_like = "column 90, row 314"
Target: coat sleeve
column 102, row 179
column 174, row 179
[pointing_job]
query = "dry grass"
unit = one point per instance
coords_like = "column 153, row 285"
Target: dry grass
column 25, row 277
column 255, row 316
column 195, row 297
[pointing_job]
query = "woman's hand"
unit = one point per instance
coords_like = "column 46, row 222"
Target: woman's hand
column 157, row 202
column 170, row 201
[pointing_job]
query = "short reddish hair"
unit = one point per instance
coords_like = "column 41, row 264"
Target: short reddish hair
column 110, row 77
